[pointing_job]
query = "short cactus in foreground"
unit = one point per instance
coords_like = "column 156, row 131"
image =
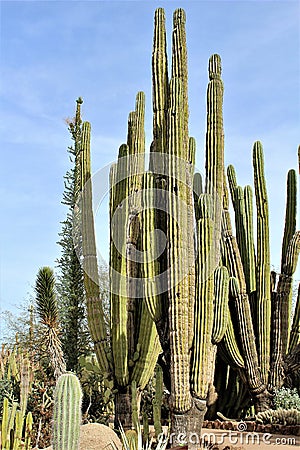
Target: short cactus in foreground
column 67, row 413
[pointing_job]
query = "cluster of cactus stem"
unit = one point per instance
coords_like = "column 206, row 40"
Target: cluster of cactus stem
column 217, row 303
column 16, row 424
column 16, row 427
column 132, row 352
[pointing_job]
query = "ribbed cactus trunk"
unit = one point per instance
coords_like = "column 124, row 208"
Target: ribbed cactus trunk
column 177, row 170
column 263, row 287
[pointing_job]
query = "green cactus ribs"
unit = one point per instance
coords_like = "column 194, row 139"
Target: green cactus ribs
column 67, row 413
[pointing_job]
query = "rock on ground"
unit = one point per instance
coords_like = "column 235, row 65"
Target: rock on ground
column 95, row 436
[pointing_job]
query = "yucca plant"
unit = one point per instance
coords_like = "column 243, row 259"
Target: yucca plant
column 46, row 307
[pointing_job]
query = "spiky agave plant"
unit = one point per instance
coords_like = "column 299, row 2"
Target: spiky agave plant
column 46, row 307
column 136, row 443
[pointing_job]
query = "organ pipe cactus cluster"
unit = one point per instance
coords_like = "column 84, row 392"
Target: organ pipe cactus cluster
column 67, row 413
column 132, row 354
column 269, row 311
column 205, row 295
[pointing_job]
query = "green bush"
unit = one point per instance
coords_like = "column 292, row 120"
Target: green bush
column 287, row 399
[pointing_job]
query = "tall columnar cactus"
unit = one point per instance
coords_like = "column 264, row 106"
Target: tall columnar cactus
column 263, row 287
column 67, row 413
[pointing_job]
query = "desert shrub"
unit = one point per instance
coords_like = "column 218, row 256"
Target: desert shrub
column 97, row 401
column 287, row 399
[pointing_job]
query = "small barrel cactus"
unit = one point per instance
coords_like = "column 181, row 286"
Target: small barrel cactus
column 67, row 413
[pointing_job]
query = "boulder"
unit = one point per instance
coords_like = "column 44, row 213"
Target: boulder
column 95, row 436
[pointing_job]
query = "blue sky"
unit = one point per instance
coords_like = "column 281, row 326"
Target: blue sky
column 54, row 51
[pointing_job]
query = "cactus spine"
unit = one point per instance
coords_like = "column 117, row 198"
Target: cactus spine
column 67, row 413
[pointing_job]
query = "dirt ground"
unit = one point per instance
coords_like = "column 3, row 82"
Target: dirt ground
column 98, row 437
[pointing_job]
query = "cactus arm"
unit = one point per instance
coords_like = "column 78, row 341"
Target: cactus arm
column 243, row 209
column 180, row 71
column 221, row 280
column 18, row 427
column 247, row 338
column 197, row 189
column 178, row 294
column 229, row 349
column 263, row 287
column 284, row 288
column 232, row 183
column 290, row 214
column 157, row 401
column 95, row 313
column 179, row 197
column 190, row 242
column 28, row 429
column 203, row 348
column 5, row 429
column 289, row 231
column 150, row 268
column 250, row 259
column 134, row 400
column 149, row 349
column 118, row 295
column 295, row 330
column 160, row 87
column 244, row 229
column 159, row 166
column 214, row 156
